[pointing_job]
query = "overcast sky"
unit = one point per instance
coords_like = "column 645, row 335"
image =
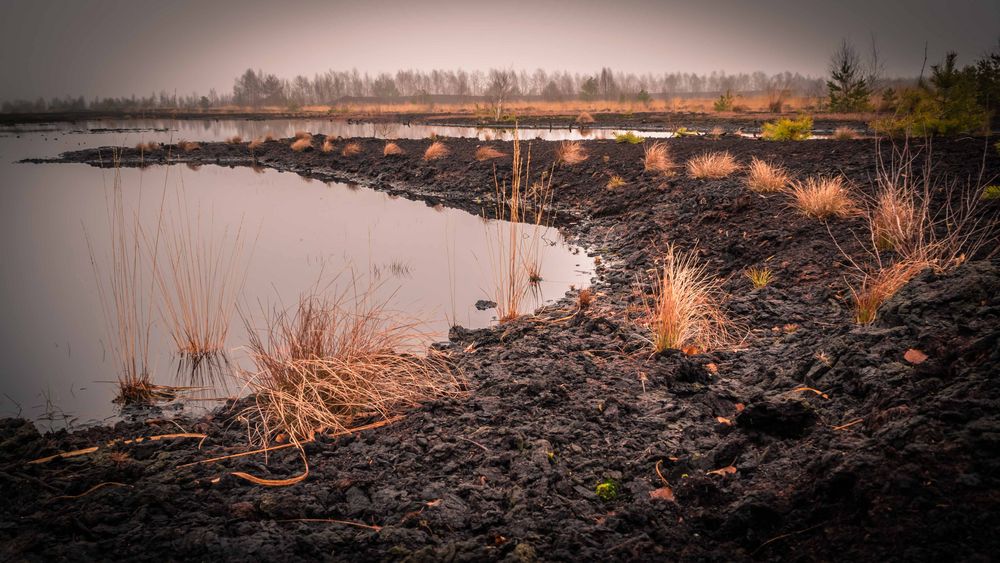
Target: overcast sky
column 120, row 47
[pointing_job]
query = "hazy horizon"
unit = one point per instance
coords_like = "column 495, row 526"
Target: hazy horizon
column 119, row 48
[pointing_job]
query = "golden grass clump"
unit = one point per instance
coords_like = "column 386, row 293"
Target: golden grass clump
column 759, row 276
column 327, row 146
column 764, row 177
column 615, row 182
column 657, row 158
column 585, row 298
column 570, row 153
column 436, row 150
column 234, row 140
column 351, row 149
column 336, row 362
column 822, row 197
column 844, row 133
column 269, row 137
column 877, row 286
column 392, row 149
column 302, row 144
column 487, row 153
column 685, row 312
column 712, row 165
column 584, row 118
column 188, row 146
column 255, row 144
column 303, row 135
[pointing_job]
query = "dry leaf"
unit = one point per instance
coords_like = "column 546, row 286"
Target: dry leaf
column 724, row 420
column 663, row 493
column 915, row 356
column 712, row 368
column 691, row 350
column 729, row 469
column 740, row 407
column 433, row 503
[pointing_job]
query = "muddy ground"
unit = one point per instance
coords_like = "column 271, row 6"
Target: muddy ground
column 888, row 459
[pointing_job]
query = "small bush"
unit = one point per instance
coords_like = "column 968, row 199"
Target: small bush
column 487, row 153
column 629, row 137
column 763, row 177
column 712, row 165
column 436, row 150
column 657, row 158
column 725, row 102
column 822, row 197
column 786, row 129
column 570, row 153
column 392, row 149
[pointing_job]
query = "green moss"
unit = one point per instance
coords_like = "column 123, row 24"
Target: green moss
column 991, row 193
column 629, row 137
column 786, row 129
column 607, row 490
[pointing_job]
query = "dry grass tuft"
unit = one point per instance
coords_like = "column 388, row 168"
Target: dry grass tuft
column 436, row 150
column 585, row 298
column 615, row 182
column 584, row 118
column 148, row 147
column 256, row 143
column 234, row 140
column 327, row 146
column 335, row 361
column 302, row 145
column 269, row 137
column 686, row 313
column 657, row 158
column 877, row 286
column 712, row 165
column 487, row 153
column 844, row 133
column 303, row 135
column 759, row 276
column 392, row 149
column 188, row 146
column 763, row 177
column 822, row 197
column 351, row 149
column 570, row 153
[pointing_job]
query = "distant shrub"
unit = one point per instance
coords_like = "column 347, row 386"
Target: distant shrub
column 629, row 137
column 725, row 102
column 786, row 129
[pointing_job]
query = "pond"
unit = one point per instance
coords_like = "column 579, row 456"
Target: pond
column 56, row 365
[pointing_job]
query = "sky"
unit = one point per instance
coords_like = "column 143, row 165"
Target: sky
column 120, row 47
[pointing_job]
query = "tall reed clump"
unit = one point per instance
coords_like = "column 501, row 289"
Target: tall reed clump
column 822, row 197
column 570, row 153
column 908, row 232
column 436, row 150
column 336, row 361
column 764, row 177
column 712, row 165
column 657, row 158
column 199, row 281
column 125, row 287
column 685, row 311
column 515, row 244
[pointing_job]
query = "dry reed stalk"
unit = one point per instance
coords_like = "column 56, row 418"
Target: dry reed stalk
column 712, row 165
column 822, row 197
column 392, row 149
column 657, row 158
column 487, row 153
column 570, row 153
column 334, row 360
column 436, row 150
column 764, row 177
column 685, row 312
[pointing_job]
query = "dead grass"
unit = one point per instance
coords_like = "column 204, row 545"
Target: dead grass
column 570, row 153
column 822, row 197
column 615, row 182
column 844, row 133
column 392, row 149
column 234, row 140
column 877, row 286
column 584, row 118
column 657, row 158
column 764, row 177
column 685, row 312
column 712, row 165
column 436, row 150
column 255, row 144
column 188, row 146
column 303, row 135
column 487, row 153
column 351, row 149
column 302, row 144
column 327, row 146
column 269, row 137
column 335, row 361
column 759, row 276
column 148, row 146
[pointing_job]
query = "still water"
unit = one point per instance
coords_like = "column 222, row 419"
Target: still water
column 55, row 358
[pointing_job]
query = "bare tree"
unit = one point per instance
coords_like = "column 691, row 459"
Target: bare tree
column 501, row 86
